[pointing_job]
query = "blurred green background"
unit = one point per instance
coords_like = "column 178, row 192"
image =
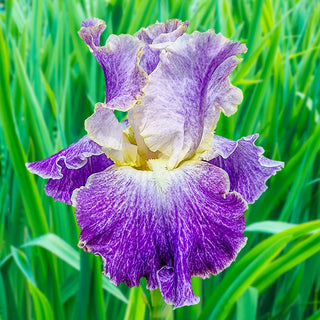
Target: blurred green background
column 49, row 83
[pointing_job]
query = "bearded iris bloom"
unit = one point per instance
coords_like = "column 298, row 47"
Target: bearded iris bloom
column 159, row 195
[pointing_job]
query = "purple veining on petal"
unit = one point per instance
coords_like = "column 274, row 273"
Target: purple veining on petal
column 186, row 93
column 70, row 168
column 93, row 30
column 247, row 168
column 155, row 34
column 119, row 59
column 165, row 226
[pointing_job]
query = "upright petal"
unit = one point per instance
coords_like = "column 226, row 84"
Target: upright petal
column 247, row 168
column 69, row 169
column 186, row 93
column 156, row 34
column 163, row 225
column 119, row 59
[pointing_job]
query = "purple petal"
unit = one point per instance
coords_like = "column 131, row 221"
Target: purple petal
column 163, row 225
column 186, row 93
column 69, row 169
column 119, row 59
column 247, row 168
column 158, row 33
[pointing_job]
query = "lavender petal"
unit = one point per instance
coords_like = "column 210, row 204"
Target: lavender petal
column 186, row 93
column 156, row 34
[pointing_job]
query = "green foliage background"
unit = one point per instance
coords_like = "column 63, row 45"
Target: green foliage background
column 49, row 83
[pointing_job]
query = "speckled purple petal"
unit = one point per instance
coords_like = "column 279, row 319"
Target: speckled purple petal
column 70, row 168
column 119, row 59
column 155, row 34
column 247, row 168
column 163, row 225
column 186, row 93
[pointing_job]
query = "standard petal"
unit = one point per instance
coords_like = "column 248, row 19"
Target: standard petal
column 186, row 93
column 70, row 168
column 156, row 37
column 247, row 168
column 163, row 225
column 119, row 59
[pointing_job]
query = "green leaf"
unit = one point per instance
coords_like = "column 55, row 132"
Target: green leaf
column 315, row 316
column 297, row 253
column 247, row 304
column 224, row 303
column 249, row 268
column 41, row 305
column 3, row 299
column 23, row 264
column 81, row 307
column 58, row 247
column 33, row 109
column 111, row 288
column 269, row 227
column 70, row 286
column 71, row 256
column 30, row 194
column 136, row 306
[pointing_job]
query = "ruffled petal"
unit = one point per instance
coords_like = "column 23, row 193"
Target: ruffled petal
column 247, row 168
column 156, row 34
column 186, row 93
column 69, row 169
column 163, row 225
column 119, row 59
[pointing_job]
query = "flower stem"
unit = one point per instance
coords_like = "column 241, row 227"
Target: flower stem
column 159, row 309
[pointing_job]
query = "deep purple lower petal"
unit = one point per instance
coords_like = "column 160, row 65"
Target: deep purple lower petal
column 247, row 168
column 163, row 225
column 70, row 168
column 61, row 189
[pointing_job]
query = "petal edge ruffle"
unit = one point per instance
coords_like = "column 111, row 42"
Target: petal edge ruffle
column 156, row 37
column 245, row 164
column 70, row 168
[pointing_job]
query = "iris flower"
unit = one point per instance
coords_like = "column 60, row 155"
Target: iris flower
column 159, row 195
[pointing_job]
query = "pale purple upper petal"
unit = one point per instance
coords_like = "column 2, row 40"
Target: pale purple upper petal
column 163, row 225
column 104, row 128
column 119, row 59
column 245, row 164
column 70, row 168
column 156, row 34
column 186, row 93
